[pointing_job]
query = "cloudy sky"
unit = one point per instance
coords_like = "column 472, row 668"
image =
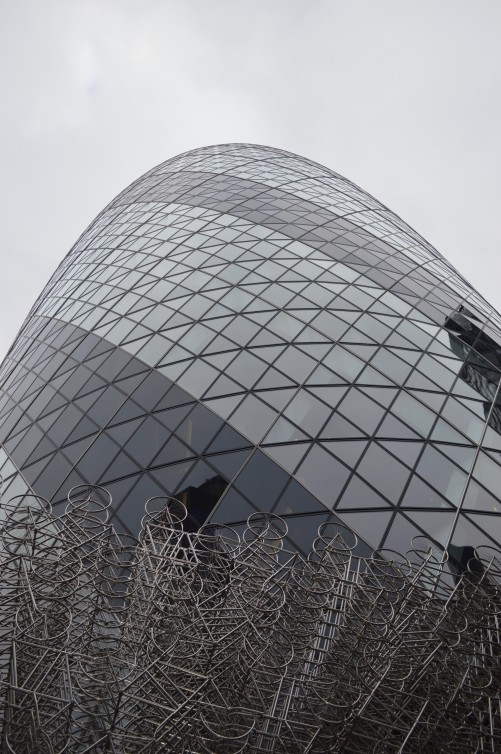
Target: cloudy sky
column 401, row 96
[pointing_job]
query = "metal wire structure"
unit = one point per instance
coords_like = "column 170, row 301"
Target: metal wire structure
column 219, row 643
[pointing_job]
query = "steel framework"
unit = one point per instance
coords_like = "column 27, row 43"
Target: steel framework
column 222, row 643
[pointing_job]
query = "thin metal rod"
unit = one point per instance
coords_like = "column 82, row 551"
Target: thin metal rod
column 214, row 643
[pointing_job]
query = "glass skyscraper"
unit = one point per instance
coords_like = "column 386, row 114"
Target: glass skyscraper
column 246, row 330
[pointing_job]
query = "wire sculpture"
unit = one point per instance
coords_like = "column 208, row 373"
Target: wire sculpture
column 215, row 643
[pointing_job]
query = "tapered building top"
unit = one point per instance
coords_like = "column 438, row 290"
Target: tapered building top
column 247, row 330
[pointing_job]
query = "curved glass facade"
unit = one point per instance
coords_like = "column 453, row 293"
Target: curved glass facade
column 247, row 330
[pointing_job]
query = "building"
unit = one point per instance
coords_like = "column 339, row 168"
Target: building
column 247, row 330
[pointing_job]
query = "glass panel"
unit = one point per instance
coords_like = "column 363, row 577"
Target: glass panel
column 151, row 390
column 252, row 418
column 413, row 412
column 133, row 508
column 295, row 364
column 227, row 439
column 64, row 424
column 295, row 499
column 146, row 442
column 129, row 410
column 106, row 405
column 74, row 451
column 246, row 369
column 228, row 464
column 373, row 328
column 61, row 495
column 197, row 338
column 437, row 524
column 114, row 364
column 122, row 466
column 487, row 472
column 307, row 412
column 84, row 428
column 361, row 410
column 463, row 419
column 121, row 432
column 490, row 527
column 420, row 495
column 460, row 454
column 261, row 480
column 198, row 377
column 401, row 534
column 173, row 451
column 273, row 379
column 286, row 326
column 436, row 372
column 329, row 325
column 224, row 406
column 359, row 495
column 40, row 404
column 478, row 498
column 443, row 432
column 323, row 475
column 236, row 299
column 303, row 530
column 223, row 386
column 331, row 395
column 53, row 475
column 170, row 476
column 344, row 363
column 98, row 457
column 383, row 472
column 407, row 452
column 199, row 428
column 442, row 474
column 29, row 442
column 155, row 350
column 384, row 395
column 175, row 397
column 75, row 382
column 348, row 450
column 200, row 492
column 369, row 526
column 284, row 431
column 340, row 428
column 232, row 508
column 288, row 456
column 93, row 384
column 391, row 365
column 277, row 398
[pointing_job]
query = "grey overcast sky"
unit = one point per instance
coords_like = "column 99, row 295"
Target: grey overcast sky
column 401, row 96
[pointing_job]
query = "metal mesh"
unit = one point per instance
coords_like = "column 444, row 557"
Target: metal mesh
column 225, row 643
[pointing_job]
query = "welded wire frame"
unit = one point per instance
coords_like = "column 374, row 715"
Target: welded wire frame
column 218, row 643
